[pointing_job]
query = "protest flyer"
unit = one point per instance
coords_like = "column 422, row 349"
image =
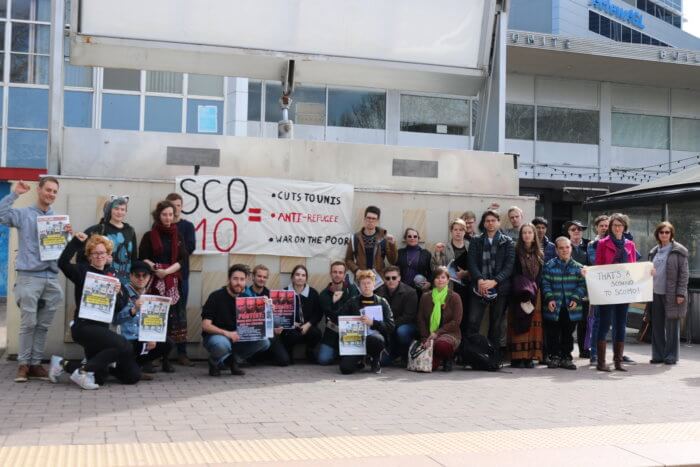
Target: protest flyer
column 620, row 283
column 283, row 308
column 99, row 296
column 452, row 270
column 374, row 312
column 252, row 318
column 378, row 281
column 52, row 236
column 153, row 318
column 352, row 335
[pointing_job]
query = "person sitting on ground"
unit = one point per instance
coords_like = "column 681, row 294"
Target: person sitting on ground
column 378, row 332
column 219, row 335
column 258, row 288
column 404, row 306
column 331, row 299
column 128, row 319
column 101, row 345
column 563, row 287
column 307, row 315
column 439, row 317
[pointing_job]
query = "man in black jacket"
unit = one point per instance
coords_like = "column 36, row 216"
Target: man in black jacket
column 404, row 305
column 579, row 252
column 490, row 258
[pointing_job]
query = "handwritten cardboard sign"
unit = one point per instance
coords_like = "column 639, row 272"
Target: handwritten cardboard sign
column 620, row 283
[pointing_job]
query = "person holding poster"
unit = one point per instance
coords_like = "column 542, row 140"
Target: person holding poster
column 307, row 315
column 670, row 303
column 563, row 288
column 439, row 317
column 37, row 290
column 101, row 345
column 219, row 334
column 163, row 249
column 614, row 249
column 121, row 234
column 332, row 299
column 378, row 331
column 128, row 319
column 372, row 246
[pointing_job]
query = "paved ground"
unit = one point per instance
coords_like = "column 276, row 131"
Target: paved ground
column 506, row 416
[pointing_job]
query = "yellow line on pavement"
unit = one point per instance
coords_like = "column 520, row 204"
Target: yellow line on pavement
column 343, row 447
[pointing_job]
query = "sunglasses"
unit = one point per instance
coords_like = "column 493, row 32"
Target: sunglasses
column 664, row 232
column 391, row 278
column 575, row 229
column 411, row 236
column 141, row 275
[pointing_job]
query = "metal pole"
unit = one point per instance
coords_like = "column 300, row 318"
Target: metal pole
column 55, row 144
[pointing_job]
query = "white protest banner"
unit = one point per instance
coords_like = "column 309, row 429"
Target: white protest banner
column 620, row 283
column 267, row 216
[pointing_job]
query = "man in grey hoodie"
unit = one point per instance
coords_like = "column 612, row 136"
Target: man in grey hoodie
column 37, row 289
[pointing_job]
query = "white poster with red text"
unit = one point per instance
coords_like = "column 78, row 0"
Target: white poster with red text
column 267, row 216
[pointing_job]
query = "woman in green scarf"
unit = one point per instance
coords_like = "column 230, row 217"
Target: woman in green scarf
column 439, row 316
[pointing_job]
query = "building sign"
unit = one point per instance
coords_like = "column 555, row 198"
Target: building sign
column 540, row 40
column 679, row 56
column 267, row 216
column 631, row 16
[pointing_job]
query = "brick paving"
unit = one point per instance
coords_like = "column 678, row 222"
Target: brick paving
column 305, row 401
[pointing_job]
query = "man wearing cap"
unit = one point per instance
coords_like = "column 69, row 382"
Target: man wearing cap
column 37, row 290
column 579, row 252
column 548, row 248
column 128, row 320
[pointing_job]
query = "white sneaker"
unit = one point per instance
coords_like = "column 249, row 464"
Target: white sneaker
column 55, row 369
column 84, row 379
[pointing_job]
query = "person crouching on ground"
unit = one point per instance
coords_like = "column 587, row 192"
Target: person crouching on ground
column 101, row 345
column 439, row 317
column 378, row 332
column 128, row 320
column 564, row 289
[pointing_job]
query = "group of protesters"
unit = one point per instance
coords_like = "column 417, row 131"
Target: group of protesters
column 532, row 288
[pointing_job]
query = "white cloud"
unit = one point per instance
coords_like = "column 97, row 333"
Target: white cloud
column 691, row 12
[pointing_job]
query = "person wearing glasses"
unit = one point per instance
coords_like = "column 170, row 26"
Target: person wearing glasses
column 404, row 305
column 579, row 252
column 102, row 346
column 414, row 262
column 670, row 303
column 600, row 224
column 372, row 246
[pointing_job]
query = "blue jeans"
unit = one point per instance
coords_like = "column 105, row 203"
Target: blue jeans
column 400, row 341
column 615, row 315
column 220, row 348
column 326, row 354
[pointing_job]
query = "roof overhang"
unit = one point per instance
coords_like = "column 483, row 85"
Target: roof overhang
column 602, row 60
column 408, row 45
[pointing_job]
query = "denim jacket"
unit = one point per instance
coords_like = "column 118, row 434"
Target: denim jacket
column 128, row 325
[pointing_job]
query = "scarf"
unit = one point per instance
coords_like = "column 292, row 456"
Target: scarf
column 488, row 255
column 171, row 231
column 439, row 299
column 530, row 262
column 620, row 251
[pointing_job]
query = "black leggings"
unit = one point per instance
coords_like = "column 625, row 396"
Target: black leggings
column 282, row 348
column 162, row 349
column 103, row 347
column 375, row 344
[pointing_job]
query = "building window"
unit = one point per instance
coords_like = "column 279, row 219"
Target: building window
column 356, row 109
column 664, row 14
column 520, row 121
column 164, row 82
column 30, row 40
column 121, row 80
column 77, row 109
column 567, row 125
column 308, row 104
column 120, row 111
column 254, row 100
column 205, row 116
column 640, row 131
column 205, row 85
column 27, row 121
column 618, row 32
column 163, row 114
column 423, row 114
column 686, row 134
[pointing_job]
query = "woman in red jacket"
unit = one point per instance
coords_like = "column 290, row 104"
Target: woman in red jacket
column 614, row 249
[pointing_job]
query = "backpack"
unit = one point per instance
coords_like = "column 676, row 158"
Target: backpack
column 479, row 354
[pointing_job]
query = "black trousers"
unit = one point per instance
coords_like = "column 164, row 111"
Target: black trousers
column 497, row 311
column 560, row 335
column 103, row 347
column 375, row 344
column 162, row 349
column 582, row 329
column 282, row 346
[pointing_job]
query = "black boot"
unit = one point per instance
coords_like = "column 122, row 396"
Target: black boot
column 233, row 365
column 214, row 369
column 167, row 366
